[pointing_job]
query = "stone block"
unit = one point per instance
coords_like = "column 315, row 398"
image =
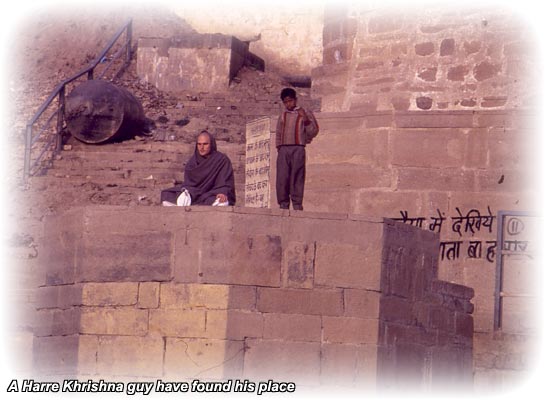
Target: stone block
column 148, row 294
column 130, row 356
column 241, row 259
column 494, row 101
column 349, row 365
column 325, row 199
column 119, row 220
column 448, row 179
column 60, row 248
column 399, row 277
column 404, row 333
column 510, row 149
column 211, row 359
column 364, row 101
column 494, row 120
column 486, row 70
column 355, row 266
column 368, row 147
column 109, row 294
column 209, row 296
column 64, row 296
column 350, row 330
column 87, row 355
column 464, row 325
column 424, row 49
column 345, row 176
column 336, row 123
column 114, row 321
column 298, row 265
column 442, row 319
column 520, row 315
column 420, row 241
column 457, row 73
column 428, row 74
column 209, row 61
column 401, row 102
column 57, row 322
column 471, row 102
column 483, row 315
column 313, row 215
column 452, row 289
column 186, row 251
column 385, row 203
column 180, row 323
column 434, row 120
column 300, row 301
column 416, row 148
column 282, row 361
column 396, row 309
column 55, row 355
column 292, row 327
column 361, row 303
column 379, row 120
column 472, row 47
column 500, row 180
column 233, row 324
column 476, row 154
column 424, row 102
column 125, row 257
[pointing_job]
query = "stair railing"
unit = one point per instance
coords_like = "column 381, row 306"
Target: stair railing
column 53, row 143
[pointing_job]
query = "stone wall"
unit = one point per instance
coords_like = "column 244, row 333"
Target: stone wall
column 445, row 171
column 191, row 62
column 426, row 329
column 426, row 58
column 433, row 122
column 204, row 293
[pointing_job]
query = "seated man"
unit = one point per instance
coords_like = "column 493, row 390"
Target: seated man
column 208, row 178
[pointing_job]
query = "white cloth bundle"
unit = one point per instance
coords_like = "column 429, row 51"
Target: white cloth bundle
column 184, row 199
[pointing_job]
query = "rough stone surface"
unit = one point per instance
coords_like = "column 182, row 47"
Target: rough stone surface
column 374, row 299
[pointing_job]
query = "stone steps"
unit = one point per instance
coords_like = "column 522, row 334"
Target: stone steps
column 127, row 173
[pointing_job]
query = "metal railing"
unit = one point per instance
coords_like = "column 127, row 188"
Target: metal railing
column 53, row 143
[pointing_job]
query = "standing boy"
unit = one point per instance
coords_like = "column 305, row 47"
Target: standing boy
column 296, row 127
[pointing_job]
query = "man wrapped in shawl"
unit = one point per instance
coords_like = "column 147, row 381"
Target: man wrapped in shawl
column 208, row 177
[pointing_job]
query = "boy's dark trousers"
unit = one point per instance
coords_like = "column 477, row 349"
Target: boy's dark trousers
column 290, row 176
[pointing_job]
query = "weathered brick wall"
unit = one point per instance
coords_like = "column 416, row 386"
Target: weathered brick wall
column 426, row 327
column 224, row 293
column 427, row 58
column 438, row 170
column 432, row 122
column 243, row 285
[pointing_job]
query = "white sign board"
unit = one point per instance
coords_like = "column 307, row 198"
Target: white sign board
column 258, row 163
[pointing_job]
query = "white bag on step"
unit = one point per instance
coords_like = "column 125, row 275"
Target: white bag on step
column 184, row 199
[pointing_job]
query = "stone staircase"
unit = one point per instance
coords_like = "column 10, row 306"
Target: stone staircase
column 130, row 173
column 127, row 173
column 134, row 172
